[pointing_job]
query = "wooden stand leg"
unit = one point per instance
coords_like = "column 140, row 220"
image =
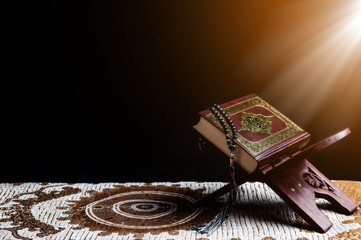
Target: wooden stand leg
column 329, row 191
column 214, row 195
column 223, row 190
column 298, row 183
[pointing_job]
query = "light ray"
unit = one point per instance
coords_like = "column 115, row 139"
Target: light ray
column 321, row 68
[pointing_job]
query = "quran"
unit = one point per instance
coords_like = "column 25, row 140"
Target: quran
column 271, row 149
column 263, row 132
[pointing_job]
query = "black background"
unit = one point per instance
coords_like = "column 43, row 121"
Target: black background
column 101, row 92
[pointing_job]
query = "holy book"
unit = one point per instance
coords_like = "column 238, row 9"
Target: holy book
column 264, row 134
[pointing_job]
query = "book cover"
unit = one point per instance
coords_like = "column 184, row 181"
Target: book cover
column 262, row 131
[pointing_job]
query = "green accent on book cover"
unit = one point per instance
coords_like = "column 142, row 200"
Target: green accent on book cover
column 259, row 123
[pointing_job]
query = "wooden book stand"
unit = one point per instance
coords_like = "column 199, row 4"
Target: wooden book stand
column 298, row 183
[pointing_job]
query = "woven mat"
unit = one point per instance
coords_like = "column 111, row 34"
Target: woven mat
column 158, row 211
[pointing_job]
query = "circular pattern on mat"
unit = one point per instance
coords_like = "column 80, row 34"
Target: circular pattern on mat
column 143, row 210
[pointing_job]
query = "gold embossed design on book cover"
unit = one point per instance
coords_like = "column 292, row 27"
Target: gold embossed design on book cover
column 258, row 124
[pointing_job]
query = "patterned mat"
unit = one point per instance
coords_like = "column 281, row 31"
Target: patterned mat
column 158, row 211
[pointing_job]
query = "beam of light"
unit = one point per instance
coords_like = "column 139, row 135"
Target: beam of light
column 322, row 67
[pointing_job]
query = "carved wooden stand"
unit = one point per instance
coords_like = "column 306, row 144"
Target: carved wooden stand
column 298, row 182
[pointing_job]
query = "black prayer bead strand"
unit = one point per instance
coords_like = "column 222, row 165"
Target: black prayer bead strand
column 231, row 139
column 221, row 119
